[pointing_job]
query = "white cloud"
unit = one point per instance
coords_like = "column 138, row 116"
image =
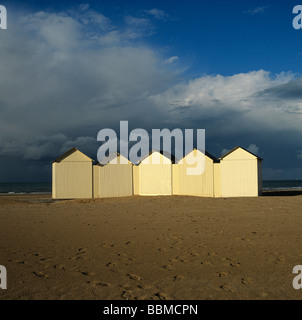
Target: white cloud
column 171, row 60
column 257, row 10
column 235, row 101
column 58, row 31
column 156, row 13
column 137, row 27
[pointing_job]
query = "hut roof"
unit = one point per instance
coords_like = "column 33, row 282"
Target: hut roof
column 164, row 153
column 68, row 153
column 206, row 153
column 231, row 151
column 110, row 158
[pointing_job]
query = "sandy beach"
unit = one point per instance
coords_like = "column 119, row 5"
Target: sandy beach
column 151, row 247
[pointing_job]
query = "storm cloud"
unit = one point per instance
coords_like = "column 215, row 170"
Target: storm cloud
column 67, row 75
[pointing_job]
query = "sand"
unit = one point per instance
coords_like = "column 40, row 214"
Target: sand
column 151, row 247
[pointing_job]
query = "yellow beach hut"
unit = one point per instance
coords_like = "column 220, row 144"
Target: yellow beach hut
column 153, row 175
column 114, row 179
column 241, row 174
column 72, row 176
column 194, row 185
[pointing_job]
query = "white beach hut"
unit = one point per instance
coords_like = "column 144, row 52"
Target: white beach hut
column 153, row 175
column 194, row 185
column 72, row 176
column 241, row 174
column 114, row 179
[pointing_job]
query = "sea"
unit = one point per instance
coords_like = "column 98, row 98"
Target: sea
column 45, row 187
column 270, row 185
column 25, row 188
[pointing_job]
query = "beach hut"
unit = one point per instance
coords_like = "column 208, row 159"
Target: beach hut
column 194, row 185
column 241, row 174
column 153, row 175
column 72, row 176
column 114, row 179
column 217, row 179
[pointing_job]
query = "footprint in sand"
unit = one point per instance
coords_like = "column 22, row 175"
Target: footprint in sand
column 167, row 267
column 134, row 277
column 18, row 261
column 110, row 265
column 46, row 259
column 175, row 243
column 227, row 288
column 121, row 254
column 178, row 259
column 235, row 264
column 81, row 251
column 107, row 245
column 246, row 281
column 77, row 257
column 131, row 259
column 194, row 254
column 177, row 278
column 222, row 274
column 40, row 274
column 161, row 296
column 59, row 267
column 131, row 288
column 98, row 284
column 87, row 273
column 281, row 259
column 127, row 295
column 212, row 254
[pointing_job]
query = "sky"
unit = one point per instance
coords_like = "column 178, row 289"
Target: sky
column 71, row 68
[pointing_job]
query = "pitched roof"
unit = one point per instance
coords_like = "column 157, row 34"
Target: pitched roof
column 229, row 152
column 68, row 153
column 110, row 157
column 206, row 153
column 164, row 153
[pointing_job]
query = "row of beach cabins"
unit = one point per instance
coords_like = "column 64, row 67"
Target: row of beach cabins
column 235, row 174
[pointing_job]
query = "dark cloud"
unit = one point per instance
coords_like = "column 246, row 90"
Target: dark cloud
column 287, row 91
